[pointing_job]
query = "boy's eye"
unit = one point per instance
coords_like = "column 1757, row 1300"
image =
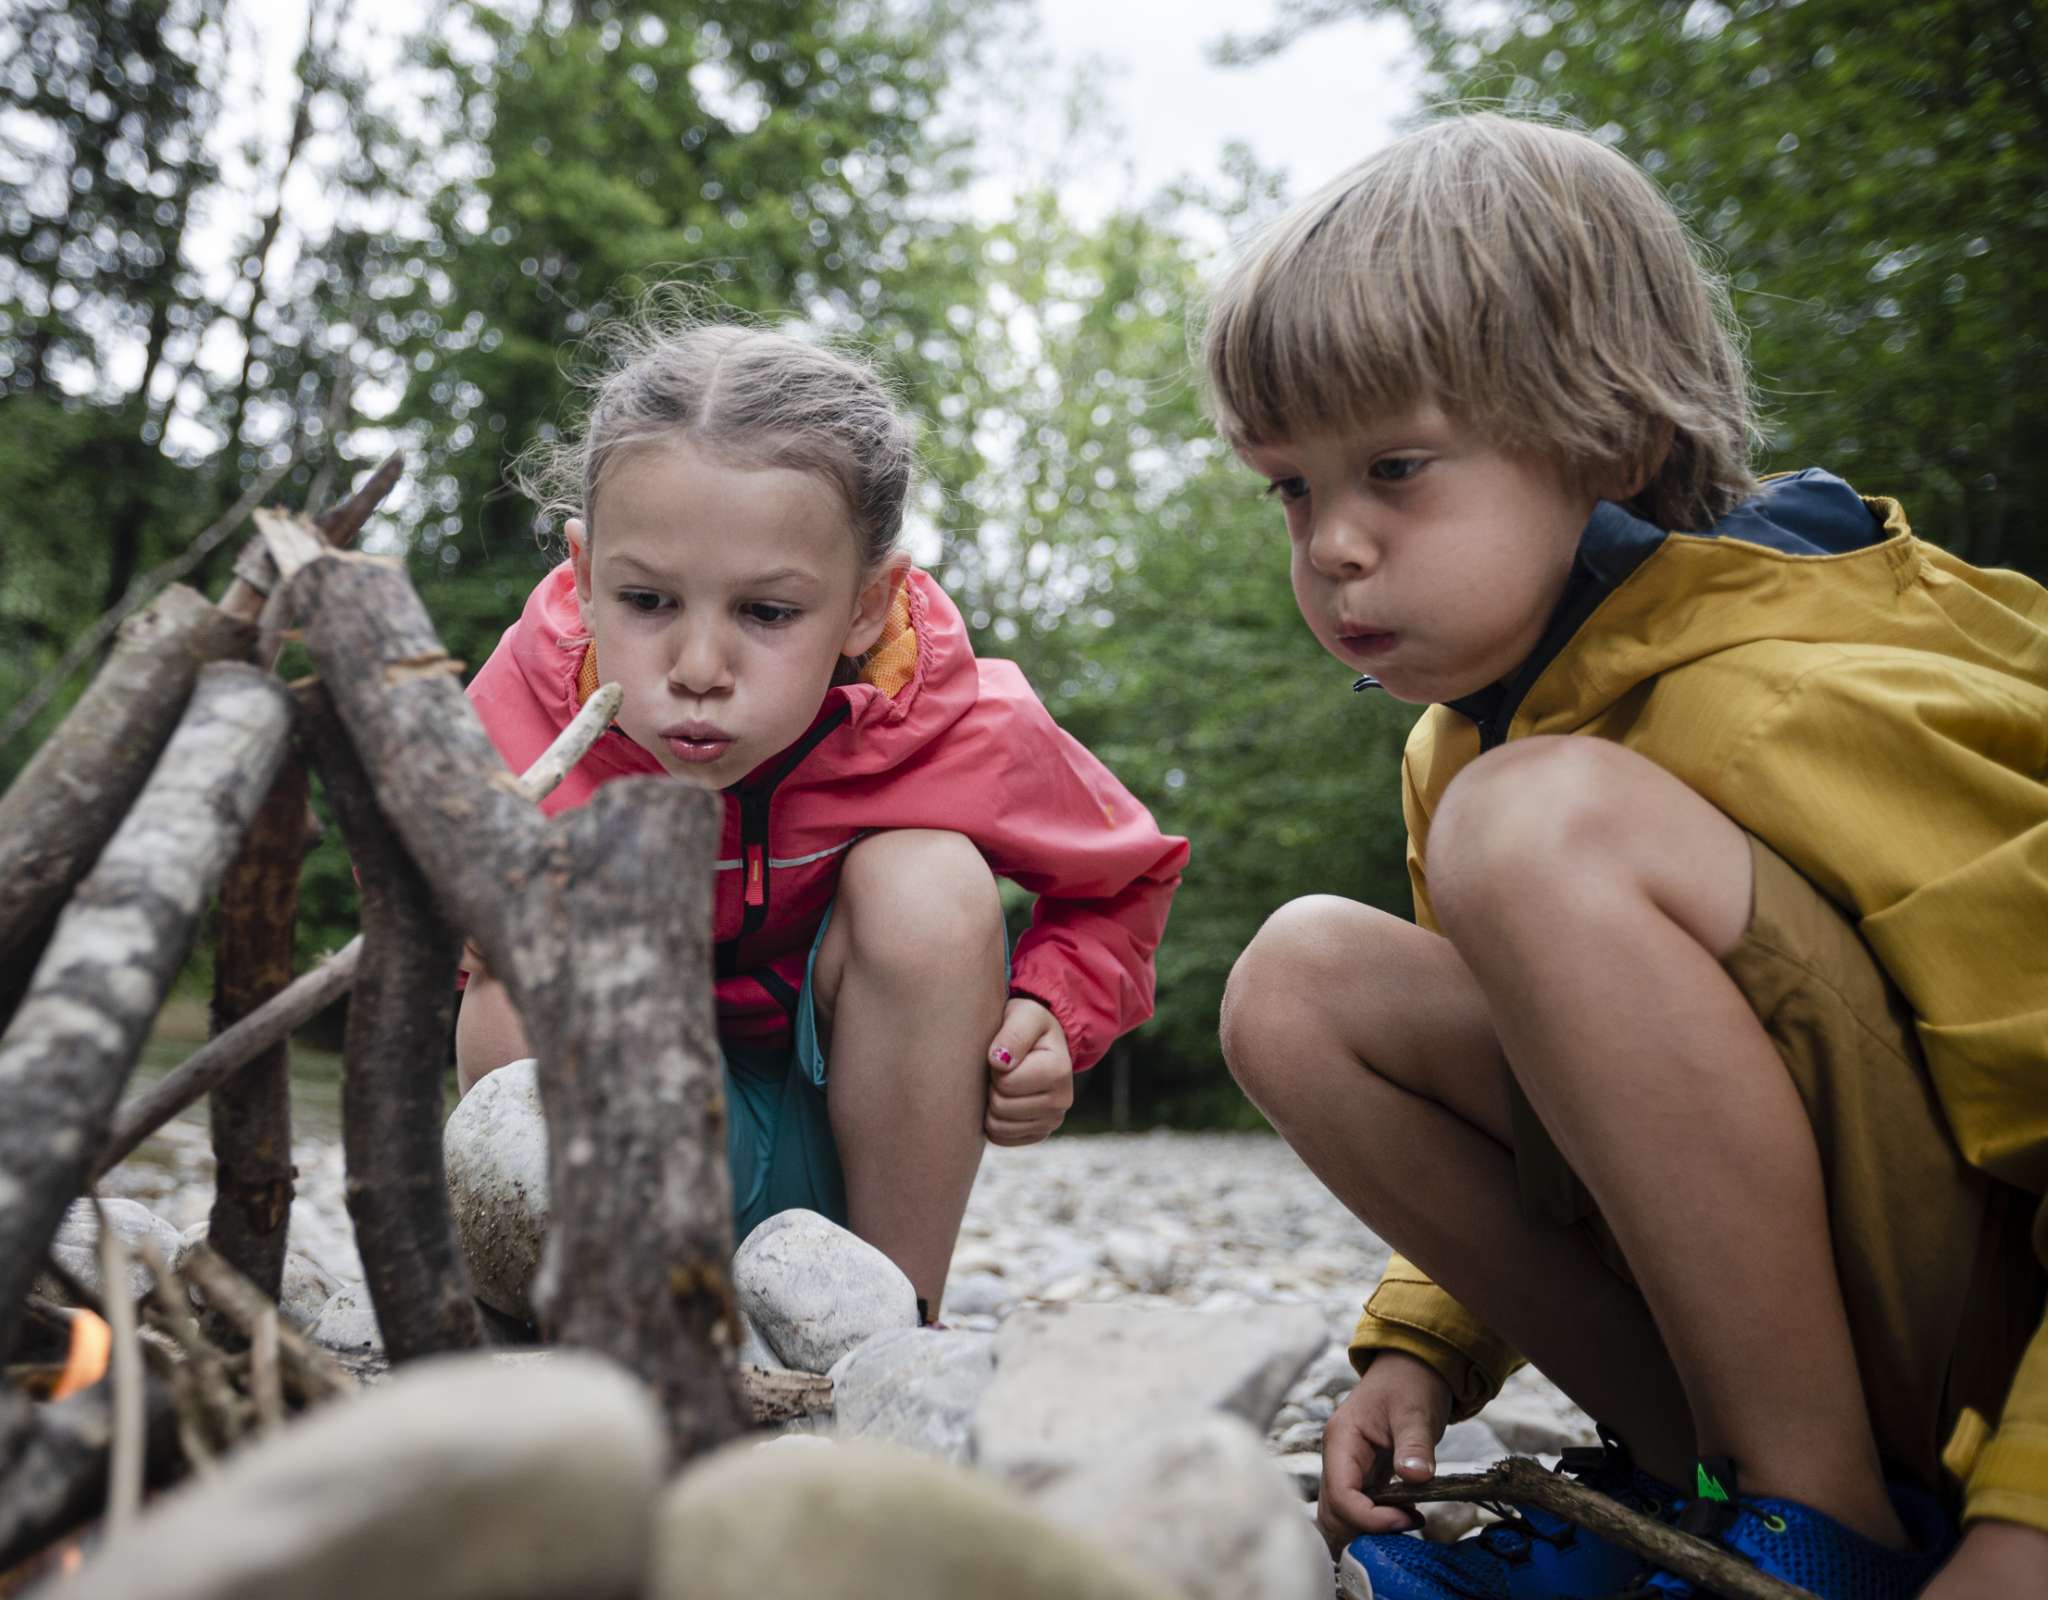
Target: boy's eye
column 768, row 613
column 1289, row 488
column 643, row 600
column 1396, row 469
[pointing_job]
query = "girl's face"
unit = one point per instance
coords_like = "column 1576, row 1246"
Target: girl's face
column 721, row 599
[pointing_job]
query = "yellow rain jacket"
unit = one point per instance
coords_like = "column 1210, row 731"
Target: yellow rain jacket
column 1874, row 709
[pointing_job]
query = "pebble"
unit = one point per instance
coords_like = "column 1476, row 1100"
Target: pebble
column 495, row 1147
column 77, row 1245
column 816, row 1291
column 914, row 1386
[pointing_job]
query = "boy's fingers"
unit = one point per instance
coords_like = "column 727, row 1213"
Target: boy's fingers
column 1414, row 1444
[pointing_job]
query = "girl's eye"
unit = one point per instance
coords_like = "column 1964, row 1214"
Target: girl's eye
column 1288, row 488
column 768, row 613
column 1396, row 469
column 641, row 600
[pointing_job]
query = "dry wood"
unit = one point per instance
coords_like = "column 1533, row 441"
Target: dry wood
column 73, row 1042
column 1520, row 1481
column 221, row 1057
column 58, row 815
column 393, row 1061
column 255, row 572
column 774, row 1397
column 255, row 939
column 124, row 1374
column 608, row 962
column 311, row 1374
column 53, row 1461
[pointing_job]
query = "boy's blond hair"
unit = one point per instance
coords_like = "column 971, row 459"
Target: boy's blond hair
column 1527, row 279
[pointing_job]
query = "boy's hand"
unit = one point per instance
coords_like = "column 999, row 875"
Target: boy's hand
column 1390, row 1422
column 1030, row 1075
column 1995, row 1561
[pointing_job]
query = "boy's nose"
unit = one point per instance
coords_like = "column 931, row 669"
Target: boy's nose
column 1341, row 545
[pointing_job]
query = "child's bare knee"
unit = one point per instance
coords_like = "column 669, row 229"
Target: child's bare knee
column 1530, row 813
column 919, row 895
column 1275, row 983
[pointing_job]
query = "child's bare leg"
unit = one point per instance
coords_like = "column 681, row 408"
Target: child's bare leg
column 909, row 991
column 1593, row 896
column 1367, row 1044
column 488, row 1031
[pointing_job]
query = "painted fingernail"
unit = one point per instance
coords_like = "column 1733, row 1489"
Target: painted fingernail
column 1001, row 1055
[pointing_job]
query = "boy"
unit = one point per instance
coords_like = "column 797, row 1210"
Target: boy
column 1715, row 1077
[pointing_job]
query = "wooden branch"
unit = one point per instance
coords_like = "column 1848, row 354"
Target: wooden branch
column 1520, row 1481
column 394, row 1056
column 129, row 1449
column 53, row 1461
column 773, row 1397
column 608, row 961
column 314, row 1375
column 227, row 1053
column 255, row 570
column 117, row 946
column 255, row 940
column 58, row 815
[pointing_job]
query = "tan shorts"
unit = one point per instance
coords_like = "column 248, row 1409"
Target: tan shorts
column 1937, row 1267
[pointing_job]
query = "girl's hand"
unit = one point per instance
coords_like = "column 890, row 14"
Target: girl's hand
column 1030, row 1075
column 1390, row 1422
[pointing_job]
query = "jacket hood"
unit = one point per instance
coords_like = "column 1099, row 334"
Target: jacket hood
column 1663, row 598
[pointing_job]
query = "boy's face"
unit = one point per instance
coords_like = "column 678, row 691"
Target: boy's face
column 1421, row 553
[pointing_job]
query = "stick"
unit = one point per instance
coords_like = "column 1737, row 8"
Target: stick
column 1520, row 1481
column 124, row 1469
column 774, row 1397
column 221, row 1057
column 117, row 946
column 316, row 1374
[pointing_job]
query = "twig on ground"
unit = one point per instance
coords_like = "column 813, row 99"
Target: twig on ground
column 1520, row 1481
column 315, row 1374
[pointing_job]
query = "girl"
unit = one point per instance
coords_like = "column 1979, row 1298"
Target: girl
column 736, row 500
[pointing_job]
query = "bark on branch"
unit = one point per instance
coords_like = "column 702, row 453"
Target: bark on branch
column 70, row 1047
column 53, row 1461
column 59, row 813
column 607, row 959
column 394, row 1056
column 1520, row 1481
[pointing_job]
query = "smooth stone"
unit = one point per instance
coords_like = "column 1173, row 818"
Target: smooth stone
column 1143, row 1260
column 754, row 1351
column 1198, row 1503
column 306, row 1289
column 978, row 1294
column 1330, row 1376
column 1072, row 1381
column 817, row 1291
column 916, row 1387
column 495, row 1147
column 456, row 1478
column 348, row 1322
column 1302, row 1436
column 77, row 1246
column 1303, row 1469
column 1533, row 1421
column 1471, row 1440
column 864, row 1521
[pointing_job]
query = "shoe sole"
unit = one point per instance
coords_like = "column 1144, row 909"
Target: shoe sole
column 1353, row 1581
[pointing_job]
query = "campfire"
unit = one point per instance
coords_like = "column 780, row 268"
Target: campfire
column 182, row 775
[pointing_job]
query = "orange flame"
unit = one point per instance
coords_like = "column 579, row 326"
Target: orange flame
column 91, row 1341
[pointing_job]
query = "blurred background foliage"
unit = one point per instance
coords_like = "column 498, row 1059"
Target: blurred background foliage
column 1875, row 181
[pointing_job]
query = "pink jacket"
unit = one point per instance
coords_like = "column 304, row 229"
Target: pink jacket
column 959, row 744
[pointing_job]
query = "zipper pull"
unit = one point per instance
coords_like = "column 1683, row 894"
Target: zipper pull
column 757, row 888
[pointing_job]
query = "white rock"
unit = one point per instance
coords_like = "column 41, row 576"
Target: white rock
column 495, row 1146
column 865, row 1522
column 1532, row 1420
column 1302, row 1436
column 1198, row 1503
column 1143, row 1260
column 77, row 1246
column 754, row 1351
column 348, row 1322
column 1303, row 1469
column 816, row 1291
column 914, row 1386
column 1072, row 1381
column 307, row 1285
column 456, row 1478
column 1471, row 1440
column 976, row 1294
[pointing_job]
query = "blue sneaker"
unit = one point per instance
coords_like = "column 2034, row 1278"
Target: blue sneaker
column 1805, row 1547
column 1529, row 1555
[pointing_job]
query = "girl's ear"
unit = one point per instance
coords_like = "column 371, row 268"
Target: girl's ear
column 579, row 558
column 871, row 606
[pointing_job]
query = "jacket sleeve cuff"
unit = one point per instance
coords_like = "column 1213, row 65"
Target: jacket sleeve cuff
column 2005, row 1475
column 1409, row 1313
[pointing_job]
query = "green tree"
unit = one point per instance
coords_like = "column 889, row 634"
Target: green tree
column 1875, row 181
